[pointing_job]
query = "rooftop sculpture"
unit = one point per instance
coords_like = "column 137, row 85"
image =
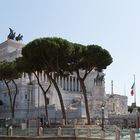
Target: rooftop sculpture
column 19, row 37
column 13, row 37
column 11, row 34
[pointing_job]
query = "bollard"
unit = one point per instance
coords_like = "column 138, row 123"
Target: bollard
column 10, row 131
column 63, row 121
column 102, row 134
column 75, row 122
column 40, row 131
column 117, row 134
column 88, row 132
column 132, row 134
column 76, row 132
column 59, row 131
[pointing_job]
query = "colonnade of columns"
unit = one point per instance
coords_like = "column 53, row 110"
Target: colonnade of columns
column 70, row 83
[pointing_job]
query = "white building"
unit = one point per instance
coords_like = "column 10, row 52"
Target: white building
column 30, row 101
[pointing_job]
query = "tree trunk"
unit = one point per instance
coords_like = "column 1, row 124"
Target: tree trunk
column 60, row 97
column 10, row 97
column 86, row 100
column 45, row 97
column 46, row 109
column 14, row 99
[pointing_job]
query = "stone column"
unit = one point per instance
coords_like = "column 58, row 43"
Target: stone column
column 26, row 77
column 52, row 75
column 59, row 80
column 39, row 75
column 75, row 84
column 45, row 78
column 72, row 83
column 42, row 75
column 33, row 77
column 62, row 83
column 79, row 86
column 66, row 83
column 69, row 83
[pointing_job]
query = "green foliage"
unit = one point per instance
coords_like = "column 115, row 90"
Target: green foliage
column 89, row 57
column 50, row 54
column 59, row 55
column 75, row 60
column 22, row 65
column 8, row 71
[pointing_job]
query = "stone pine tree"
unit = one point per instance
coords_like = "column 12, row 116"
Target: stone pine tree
column 86, row 59
column 25, row 67
column 9, row 74
column 49, row 55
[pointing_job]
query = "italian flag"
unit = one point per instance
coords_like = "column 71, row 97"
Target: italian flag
column 132, row 89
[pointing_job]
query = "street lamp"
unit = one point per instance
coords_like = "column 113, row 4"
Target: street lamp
column 102, row 107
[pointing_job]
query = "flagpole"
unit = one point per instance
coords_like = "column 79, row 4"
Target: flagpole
column 134, row 91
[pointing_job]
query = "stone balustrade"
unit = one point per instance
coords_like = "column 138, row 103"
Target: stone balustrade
column 60, row 134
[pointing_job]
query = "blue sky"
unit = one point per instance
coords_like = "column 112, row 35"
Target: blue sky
column 112, row 24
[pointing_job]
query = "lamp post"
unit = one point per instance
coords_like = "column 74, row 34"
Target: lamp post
column 38, row 118
column 30, row 86
column 102, row 108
